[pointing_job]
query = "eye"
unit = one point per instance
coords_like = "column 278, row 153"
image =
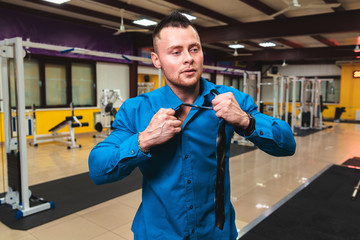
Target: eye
column 195, row 49
column 175, row 53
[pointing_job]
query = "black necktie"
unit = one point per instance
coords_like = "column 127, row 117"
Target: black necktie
column 220, row 172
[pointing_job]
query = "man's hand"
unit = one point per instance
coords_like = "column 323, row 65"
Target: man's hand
column 226, row 107
column 162, row 127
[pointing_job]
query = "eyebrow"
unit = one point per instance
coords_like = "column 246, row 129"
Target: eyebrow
column 195, row 44
column 179, row 46
column 174, row 47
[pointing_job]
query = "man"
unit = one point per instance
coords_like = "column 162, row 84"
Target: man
column 174, row 145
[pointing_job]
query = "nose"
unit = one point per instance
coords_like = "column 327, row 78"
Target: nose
column 188, row 58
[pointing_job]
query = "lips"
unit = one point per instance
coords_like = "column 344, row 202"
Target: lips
column 189, row 71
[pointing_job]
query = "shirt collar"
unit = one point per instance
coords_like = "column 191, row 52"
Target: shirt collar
column 172, row 101
column 205, row 87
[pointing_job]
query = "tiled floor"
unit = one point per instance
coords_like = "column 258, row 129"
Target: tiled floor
column 258, row 182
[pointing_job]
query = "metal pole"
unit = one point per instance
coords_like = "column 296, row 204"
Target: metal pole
column 302, row 100
column 281, row 95
column 293, row 114
column 312, row 107
column 287, row 99
column 275, row 97
column 6, row 102
column 20, row 102
column 258, row 91
column 245, row 87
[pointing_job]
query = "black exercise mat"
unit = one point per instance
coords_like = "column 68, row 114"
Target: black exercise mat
column 343, row 121
column 236, row 149
column 70, row 195
column 303, row 133
column 355, row 161
column 323, row 210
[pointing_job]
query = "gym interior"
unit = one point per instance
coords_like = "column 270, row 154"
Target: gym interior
column 67, row 68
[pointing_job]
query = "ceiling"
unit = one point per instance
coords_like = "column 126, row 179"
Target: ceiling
column 318, row 31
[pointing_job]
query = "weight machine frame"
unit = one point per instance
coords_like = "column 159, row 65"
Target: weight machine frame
column 314, row 104
column 17, row 147
column 279, row 81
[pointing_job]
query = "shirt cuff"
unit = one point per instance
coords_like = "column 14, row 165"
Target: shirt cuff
column 263, row 129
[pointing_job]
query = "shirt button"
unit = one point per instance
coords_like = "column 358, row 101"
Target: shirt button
column 261, row 133
column 188, row 181
column 191, row 207
column 193, row 231
column 186, row 156
column 132, row 152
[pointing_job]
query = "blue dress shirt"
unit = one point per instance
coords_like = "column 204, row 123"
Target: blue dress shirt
column 179, row 176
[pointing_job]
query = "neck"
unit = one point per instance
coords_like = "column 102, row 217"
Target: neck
column 186, row 94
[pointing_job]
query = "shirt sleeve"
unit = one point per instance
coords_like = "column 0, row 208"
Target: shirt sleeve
column 118, row 155
column 273, row 136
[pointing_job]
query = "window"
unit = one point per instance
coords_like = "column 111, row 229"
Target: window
column 31, row 81
column 55, row 84
column 330, row 90
column 82, row 81
column 51, row 82
column 297, row 91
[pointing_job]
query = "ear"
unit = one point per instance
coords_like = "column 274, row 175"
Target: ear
column 155, row 59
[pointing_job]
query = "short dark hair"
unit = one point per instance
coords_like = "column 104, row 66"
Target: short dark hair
column 175, row 19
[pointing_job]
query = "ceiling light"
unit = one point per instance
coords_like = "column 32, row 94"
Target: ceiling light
column 357, row 48
column 145, row 22
column 57, row 1
column 235, row 54
column 284, row 64
column 188, row 16
column 236, row 46
column 267, row 44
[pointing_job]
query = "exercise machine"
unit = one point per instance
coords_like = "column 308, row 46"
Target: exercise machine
column 311, row 104
column 243, row 87
column 280, row 102
column 144, row 87
column 18, row 194
column 28, row 122
column 68, row 137
column 104, row 118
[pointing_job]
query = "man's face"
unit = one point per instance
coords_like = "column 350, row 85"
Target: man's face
column 179, row 55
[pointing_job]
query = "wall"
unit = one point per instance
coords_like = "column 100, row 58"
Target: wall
column 219, row 79
column 1, row 92
column 62, row 33
column 153, row 74
column 112, row 76
column 310, row 70
column 350, row 91
column 47, row 119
